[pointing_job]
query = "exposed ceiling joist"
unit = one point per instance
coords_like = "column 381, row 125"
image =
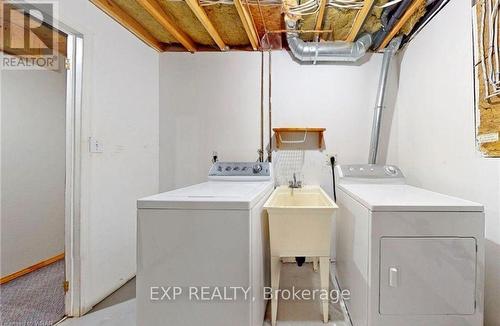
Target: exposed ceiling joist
column 205, row 21
column 247, row 22
column 360, row 20
column 115, row 12
column 155, row 10
column 319, row 20
column 406, row 16
column 177, row 25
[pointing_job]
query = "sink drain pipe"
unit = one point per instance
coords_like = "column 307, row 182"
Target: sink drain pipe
column 389, row 52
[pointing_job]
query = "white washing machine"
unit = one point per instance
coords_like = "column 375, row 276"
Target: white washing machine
column 409, row 256
column 208, row 242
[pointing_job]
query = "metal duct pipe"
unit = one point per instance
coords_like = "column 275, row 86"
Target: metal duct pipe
column 261, row 149
column 325, row 51
column 270, row 110
column 389, row 52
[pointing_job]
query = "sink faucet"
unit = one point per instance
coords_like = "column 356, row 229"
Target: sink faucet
column 294, row 183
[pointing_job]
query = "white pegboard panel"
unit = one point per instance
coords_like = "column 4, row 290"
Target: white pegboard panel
column 286, row 163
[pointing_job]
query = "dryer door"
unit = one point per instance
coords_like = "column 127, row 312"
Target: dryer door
column 427, row 276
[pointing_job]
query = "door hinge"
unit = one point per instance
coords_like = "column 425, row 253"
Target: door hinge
column 67, row 64
column 66, row 286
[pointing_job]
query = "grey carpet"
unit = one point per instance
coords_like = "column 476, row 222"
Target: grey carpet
column 35, row 299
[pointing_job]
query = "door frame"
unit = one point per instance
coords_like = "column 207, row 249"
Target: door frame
column 74, row 80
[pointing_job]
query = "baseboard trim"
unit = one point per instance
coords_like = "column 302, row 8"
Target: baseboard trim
column 32, row 268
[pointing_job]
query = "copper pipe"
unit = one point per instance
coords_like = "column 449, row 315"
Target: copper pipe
column 261, row 150
column 303, row 31
column 261, row 15
column 253, row 21
column 263, row 23
column 270, row 151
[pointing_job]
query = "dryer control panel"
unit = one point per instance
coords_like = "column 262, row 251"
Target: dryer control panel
column 240, row 169
column 369, row 171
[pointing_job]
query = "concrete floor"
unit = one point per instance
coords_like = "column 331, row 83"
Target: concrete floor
column 125, row 293
column 119, row 309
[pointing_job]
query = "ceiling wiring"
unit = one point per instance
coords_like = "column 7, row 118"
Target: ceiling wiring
column 310, row 7
column 231, row 2
column 358, row 4
column 307, row 7
column 489, row 48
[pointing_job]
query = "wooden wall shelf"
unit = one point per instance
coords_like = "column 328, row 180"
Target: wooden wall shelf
column 279, row 131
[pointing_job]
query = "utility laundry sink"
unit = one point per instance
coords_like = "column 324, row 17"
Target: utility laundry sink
column 306, row 197
column 300, row 225
column 300, row 221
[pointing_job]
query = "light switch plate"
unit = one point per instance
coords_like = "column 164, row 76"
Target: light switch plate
column 95, row 146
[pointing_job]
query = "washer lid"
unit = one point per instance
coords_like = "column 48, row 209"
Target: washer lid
column 209, row 195
column 406, row 198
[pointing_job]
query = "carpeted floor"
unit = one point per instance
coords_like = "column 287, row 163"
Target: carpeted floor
column 35, row 299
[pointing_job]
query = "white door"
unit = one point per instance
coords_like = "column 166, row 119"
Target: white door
column 427, row 276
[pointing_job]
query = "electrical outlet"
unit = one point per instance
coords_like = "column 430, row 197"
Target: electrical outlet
column 215, row 156
column 328, row 156
column 95, row 146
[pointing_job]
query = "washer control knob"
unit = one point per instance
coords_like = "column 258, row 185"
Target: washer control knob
column 219, row 168
column 228, row 168
column 390, row 170
column 236, row 168
column 257, row 168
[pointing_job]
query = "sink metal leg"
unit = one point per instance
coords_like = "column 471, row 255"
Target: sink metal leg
column 275, row 285
column 324, row 269
column 315, row 264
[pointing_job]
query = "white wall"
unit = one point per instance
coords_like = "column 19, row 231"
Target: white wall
column 33, row 167
column 436, row 147
column 211, row 101
column 207, row 102
column 120, row 108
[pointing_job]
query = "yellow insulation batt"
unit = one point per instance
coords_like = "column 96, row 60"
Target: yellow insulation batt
column 184, row 18
column 408, row 27
column 224, row 17
column 489, row 117
column 135, row 10
column 340, row 22
column 487, row 110
column 227, row 22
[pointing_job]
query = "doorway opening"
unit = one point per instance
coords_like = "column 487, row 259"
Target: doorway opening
column 40, row 169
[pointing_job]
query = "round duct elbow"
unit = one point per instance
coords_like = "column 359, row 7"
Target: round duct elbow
column 336, row 51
